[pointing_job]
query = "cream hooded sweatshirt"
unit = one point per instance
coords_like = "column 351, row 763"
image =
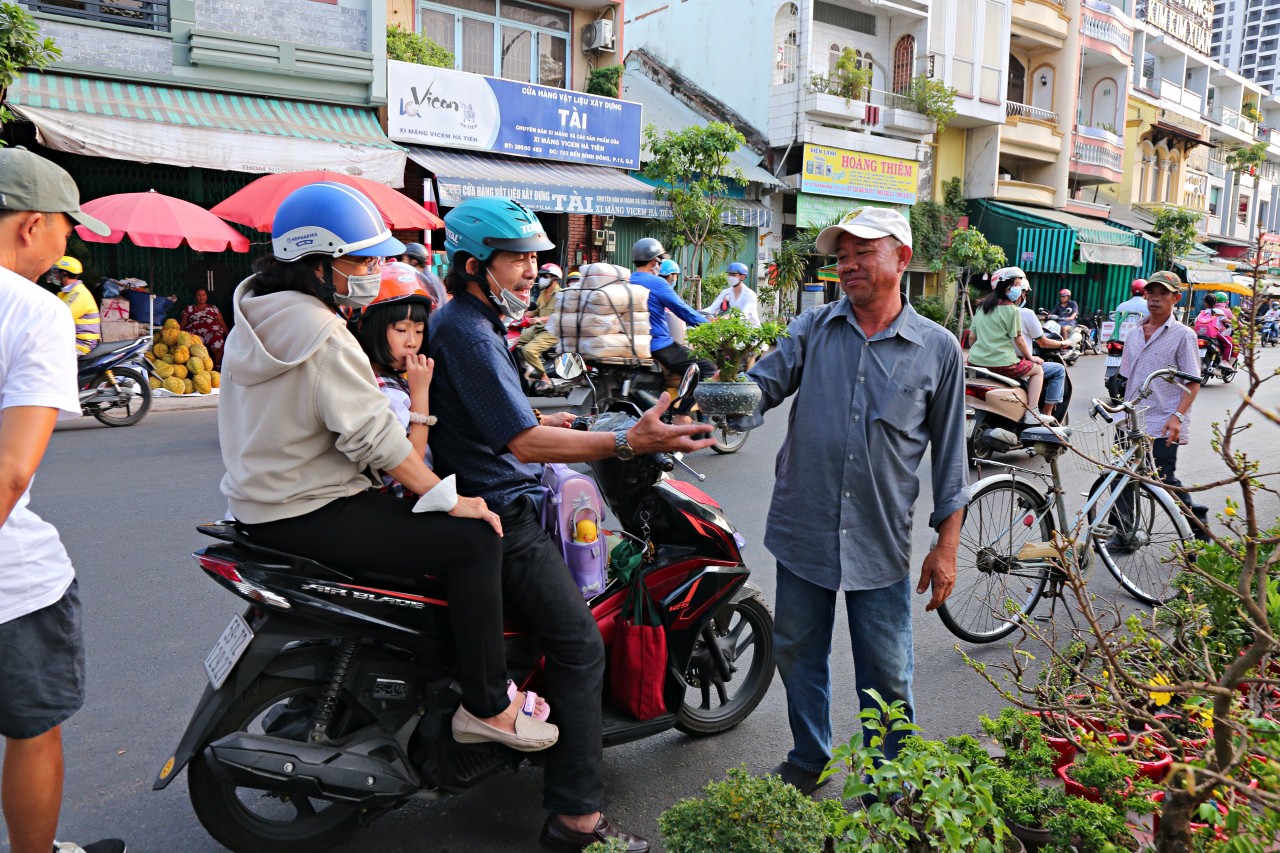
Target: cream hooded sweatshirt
column 301, row 420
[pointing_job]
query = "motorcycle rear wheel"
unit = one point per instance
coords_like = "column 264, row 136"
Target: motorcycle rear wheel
column 743, row 626
column 250, row 821
column 123, row 413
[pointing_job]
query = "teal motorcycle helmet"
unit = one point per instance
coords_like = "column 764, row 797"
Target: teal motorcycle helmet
column 481, row 226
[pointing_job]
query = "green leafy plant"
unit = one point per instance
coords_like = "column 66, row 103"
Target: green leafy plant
column 931, row 308
column 1250, row 111
column 1114, row 777
column 612, row 845
column 927, row 796
column 932, row 223
column 729, row 341
column 745, row 814
column 969, row 253
column 605, row 81
column 1024, row 801
column 1176, row 228
column 406, row 46
column 849, row 80
column 1021, row 735
column 1088, row 827
column 1108, row 127
column 696, row 174
column 932, row 98
column 21, row 49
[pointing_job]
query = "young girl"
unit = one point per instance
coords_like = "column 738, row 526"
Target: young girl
column 393, row 333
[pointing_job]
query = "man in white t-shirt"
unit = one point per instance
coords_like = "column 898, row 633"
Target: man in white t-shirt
column 736, row 295
column 41, row 648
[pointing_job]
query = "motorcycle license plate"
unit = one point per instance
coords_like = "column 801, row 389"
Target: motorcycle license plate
column 227, row 651
column 1114, row 360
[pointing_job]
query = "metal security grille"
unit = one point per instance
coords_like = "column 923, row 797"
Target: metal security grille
column 849, row 19
column 145, row 14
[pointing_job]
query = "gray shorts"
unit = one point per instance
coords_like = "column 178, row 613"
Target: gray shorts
column 41, row 668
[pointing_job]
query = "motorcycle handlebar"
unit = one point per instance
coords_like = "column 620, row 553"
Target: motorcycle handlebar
column 666, row 462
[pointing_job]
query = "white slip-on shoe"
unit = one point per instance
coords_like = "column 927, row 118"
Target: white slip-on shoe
column 530, row 735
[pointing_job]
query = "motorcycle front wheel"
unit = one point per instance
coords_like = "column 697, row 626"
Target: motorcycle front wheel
column 132, row 395
column 742, row 632
column 727, row 440
column 248, row 820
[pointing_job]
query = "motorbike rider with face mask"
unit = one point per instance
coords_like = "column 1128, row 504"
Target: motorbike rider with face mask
column 737, row 295
column 488, row 436
column 306, row 434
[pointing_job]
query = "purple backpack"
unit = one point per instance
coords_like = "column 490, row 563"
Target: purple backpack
column 570, row 498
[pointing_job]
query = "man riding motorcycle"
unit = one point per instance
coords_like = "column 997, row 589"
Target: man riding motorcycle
column 487, row 436
column 81, row 302
column 535, row 341
column 1066, row 312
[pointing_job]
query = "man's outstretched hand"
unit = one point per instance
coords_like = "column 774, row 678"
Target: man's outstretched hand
column 651, row 435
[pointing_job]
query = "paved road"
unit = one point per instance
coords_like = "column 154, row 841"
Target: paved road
column 126, row 502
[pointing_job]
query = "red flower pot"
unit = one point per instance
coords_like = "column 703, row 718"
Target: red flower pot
column 1196, row 828
column 1154, row 769
column 1189, row 744
column 1075, row 789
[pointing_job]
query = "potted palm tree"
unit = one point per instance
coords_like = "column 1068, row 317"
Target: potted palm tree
column 730, row 342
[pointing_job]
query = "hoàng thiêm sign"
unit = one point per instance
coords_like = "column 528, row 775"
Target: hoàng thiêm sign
column 855, row 174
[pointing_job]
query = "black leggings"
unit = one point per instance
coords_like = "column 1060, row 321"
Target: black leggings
column 377, row 531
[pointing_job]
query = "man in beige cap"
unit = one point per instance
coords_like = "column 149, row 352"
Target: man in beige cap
column 41, row 648
column 875, row 384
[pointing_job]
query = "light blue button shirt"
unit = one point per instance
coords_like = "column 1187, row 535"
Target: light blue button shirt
column 864, row 412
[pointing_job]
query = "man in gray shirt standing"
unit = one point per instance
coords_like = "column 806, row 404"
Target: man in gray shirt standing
column 874, row 384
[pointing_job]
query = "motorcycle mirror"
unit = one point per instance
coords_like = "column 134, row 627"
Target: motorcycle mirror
column 569, row 365
column 687, row 382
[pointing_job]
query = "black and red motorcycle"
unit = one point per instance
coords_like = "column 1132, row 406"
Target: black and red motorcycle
column 329, row 701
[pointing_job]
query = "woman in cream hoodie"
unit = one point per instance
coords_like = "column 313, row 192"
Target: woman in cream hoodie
column 305, row 433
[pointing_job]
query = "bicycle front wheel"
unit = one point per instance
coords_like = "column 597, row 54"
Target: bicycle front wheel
column 1144, row 552
column 1001, row 519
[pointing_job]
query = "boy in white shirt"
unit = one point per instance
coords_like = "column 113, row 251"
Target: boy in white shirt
column 41, row 648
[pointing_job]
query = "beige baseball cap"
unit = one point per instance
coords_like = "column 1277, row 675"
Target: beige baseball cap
column 868, row 223
column 30, row 182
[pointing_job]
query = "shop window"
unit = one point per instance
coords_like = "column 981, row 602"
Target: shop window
column 904, row 58
column 144, row 14
column 514, row 39
column 833, row 58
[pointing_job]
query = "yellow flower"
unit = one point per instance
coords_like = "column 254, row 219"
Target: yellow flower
column 1230, row 511
column 1161, row 699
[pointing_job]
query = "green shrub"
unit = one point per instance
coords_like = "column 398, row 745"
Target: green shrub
column 405, row 46
column 605, row 81
column 930, row 308
column 745, row 814
column 613, row 845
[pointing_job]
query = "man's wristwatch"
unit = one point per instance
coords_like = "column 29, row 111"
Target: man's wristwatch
column 1182, row 419
column 621, row 448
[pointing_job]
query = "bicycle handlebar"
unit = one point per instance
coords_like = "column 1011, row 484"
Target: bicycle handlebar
column 1170, row 373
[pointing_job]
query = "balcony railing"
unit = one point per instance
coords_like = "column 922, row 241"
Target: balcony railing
column 1097, row 155
column 1102, row 30
column 145, row 14
column 1230, row 118
column 1013, row 108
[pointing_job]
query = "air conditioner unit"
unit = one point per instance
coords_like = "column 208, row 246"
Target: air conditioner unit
column 610, row 241
column 598, row 238
column 598, row 35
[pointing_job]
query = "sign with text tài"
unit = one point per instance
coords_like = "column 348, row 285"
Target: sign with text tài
column 854, row 174
column 455, row 109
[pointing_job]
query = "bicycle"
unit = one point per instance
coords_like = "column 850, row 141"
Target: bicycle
column 1009, row 534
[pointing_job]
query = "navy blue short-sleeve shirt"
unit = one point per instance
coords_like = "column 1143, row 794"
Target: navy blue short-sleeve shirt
column 480, row 404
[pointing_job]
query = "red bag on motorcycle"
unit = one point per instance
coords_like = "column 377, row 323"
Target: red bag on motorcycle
column 638, row 657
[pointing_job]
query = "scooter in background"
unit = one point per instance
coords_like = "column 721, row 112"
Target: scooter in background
column 113, row 382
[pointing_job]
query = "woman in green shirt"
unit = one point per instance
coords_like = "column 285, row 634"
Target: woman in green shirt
column 998, row 340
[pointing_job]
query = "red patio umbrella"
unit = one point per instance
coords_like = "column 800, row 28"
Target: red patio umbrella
column 161, row 222
column 256, row 204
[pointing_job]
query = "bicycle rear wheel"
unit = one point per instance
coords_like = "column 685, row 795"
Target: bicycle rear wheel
column 1001, row 519
column 1141, row 553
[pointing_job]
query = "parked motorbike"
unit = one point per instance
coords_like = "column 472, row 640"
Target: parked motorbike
column 113, row 382
column 994, row 407
column 1211, row 362
column 642, row 381
column 329, row 701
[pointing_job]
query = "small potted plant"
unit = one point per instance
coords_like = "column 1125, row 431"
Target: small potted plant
column 926, row 797
column 1088, row 827
column 745, row 813
column 729, row 342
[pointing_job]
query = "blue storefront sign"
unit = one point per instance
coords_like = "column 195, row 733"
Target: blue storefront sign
column 455, row 109
column 556, row 199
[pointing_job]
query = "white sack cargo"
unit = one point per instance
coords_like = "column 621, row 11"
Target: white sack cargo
column 613, row 299
column 608, row 346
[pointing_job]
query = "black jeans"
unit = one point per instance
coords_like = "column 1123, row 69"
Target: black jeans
column 537, row 585
column 677, row 359
column 1166, row 458
column 378, row 531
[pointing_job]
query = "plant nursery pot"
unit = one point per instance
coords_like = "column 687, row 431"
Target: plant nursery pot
column 1154, row 769
column 1075, row 789
column 1196, row 828
column 1033, row 838
column 1188, row 743
column 1065, row 749
column 727, row 398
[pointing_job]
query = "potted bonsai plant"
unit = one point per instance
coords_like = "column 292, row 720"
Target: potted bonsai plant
column 729, row 342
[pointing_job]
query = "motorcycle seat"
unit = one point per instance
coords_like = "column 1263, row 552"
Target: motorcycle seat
column 107, row 349
column 1045, row 435
column 972, row 371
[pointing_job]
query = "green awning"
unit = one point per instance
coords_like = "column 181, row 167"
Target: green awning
column 194, row 127
column 1087, row 230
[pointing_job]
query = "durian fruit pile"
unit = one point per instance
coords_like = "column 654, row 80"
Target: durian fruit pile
column 182, row 364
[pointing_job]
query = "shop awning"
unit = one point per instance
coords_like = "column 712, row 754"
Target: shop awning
column 1087, row 230
column 556, row 187
column 212, row 130
column 1203, row 272
column 1101, row 253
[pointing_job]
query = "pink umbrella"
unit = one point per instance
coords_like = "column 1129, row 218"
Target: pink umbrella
column 159, row 221
column 255, row 205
